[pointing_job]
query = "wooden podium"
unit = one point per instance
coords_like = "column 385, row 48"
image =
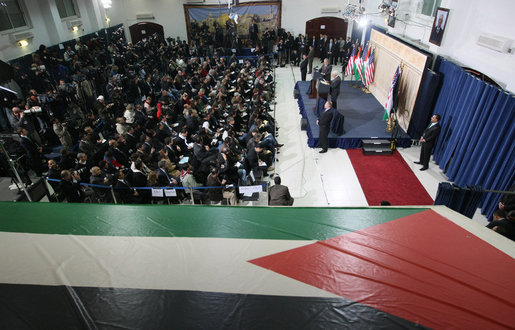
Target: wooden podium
column 323, row 88
column 315, row 78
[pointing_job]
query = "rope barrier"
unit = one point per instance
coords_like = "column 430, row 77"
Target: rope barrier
column 150, row 188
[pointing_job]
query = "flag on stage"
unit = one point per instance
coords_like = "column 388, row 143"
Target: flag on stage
column 355, row 66
column 389, row 102
column 360, row 63
column 364, row 59
column 369, row 69
column 350, row 65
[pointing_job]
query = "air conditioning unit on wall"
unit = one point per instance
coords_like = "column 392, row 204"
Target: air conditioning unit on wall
column 144, row 16
column 330, row 11
column 71, row 24
column 15, row 37
column 495, row 42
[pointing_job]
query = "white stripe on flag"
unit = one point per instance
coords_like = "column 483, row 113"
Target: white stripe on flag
column 197, row 264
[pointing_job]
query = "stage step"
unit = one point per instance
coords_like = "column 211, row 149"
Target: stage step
column 376, row 147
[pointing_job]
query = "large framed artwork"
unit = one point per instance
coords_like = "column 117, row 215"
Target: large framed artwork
column 439, row 24
column 237, row 19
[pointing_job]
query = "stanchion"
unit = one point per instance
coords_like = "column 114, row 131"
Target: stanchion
column 191, row 195
column 113, row 194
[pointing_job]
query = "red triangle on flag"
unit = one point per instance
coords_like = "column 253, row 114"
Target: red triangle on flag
column 423, row 268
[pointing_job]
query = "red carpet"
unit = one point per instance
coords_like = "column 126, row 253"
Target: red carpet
column 388, row 178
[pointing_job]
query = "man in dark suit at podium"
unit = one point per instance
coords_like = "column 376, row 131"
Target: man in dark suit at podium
column 326, row 69
column 428, row 141
column 324, row 124
column 335, row 88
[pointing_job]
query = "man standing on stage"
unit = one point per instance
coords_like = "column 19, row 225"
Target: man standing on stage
column 311, row 56
column 326, row 69
column 304, row 67
column 253, row 33
column 335, row 88
column 324, row 124
column 428, row 141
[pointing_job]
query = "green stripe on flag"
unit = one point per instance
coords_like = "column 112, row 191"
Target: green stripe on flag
column 192, row 221
column 385, row 117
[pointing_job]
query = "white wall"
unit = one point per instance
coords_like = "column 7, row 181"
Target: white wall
column 48, row 28
column 169, row 13
column 467, row 19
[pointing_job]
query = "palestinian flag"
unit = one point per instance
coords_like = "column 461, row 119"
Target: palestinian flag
column 362, row 63
column 356, row 65
column 70, row 266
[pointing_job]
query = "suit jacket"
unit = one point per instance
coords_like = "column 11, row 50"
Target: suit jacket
column 163, row 178
column 138, row 179
column 335, row 88
column 253, row 159
column 304, row 65
column 279, row 195
column 72, row 191
column 326, row 71
column 325, row 118
column 436, row 35
column 87, row 147
column 430, row 134
column 125, row 192
column 30, row 148
column 311, row 54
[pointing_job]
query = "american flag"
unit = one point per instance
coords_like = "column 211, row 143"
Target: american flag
column 348, row 70
column 361, row 62
column 369, row 69
column 389, row 103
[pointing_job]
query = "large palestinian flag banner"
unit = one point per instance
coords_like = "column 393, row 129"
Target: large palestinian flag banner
column 77, row 266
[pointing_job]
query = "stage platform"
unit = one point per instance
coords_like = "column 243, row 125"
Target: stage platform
column 363, row 118
column 89, row 266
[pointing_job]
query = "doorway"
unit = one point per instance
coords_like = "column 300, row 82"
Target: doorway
column 334, row 27
column 143, row 30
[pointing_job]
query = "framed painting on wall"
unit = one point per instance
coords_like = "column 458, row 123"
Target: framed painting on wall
column 442, row 14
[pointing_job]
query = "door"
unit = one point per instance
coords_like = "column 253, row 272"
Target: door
column 334, row 27
column 143, row 30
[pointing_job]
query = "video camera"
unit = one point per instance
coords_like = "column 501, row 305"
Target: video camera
column 34, row 109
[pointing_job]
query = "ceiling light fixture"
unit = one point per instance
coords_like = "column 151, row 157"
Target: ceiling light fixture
column 353, row 12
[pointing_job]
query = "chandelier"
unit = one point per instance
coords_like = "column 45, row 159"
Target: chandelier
column 387, row 7
column 353, row 12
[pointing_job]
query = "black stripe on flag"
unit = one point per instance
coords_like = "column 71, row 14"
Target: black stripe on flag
column 61, row 307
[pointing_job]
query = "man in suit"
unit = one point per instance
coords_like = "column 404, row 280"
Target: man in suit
column 437, row 32
column 332, row 51
column 253, row 33
column 324, row 123
column 326, row 69
column 70, row 187
column 334, row 90
column 32, row 151
column 163, row 178
column 279, row 194
column 301, row 45
column 304, row 67
column 428, row 140
column 311, row 56
column 124, row 190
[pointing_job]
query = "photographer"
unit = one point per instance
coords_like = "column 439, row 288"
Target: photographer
column 32, row 152
column 60, row 129
column 70, row 187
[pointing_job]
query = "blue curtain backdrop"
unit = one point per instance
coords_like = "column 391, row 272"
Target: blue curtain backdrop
column 476, row 145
